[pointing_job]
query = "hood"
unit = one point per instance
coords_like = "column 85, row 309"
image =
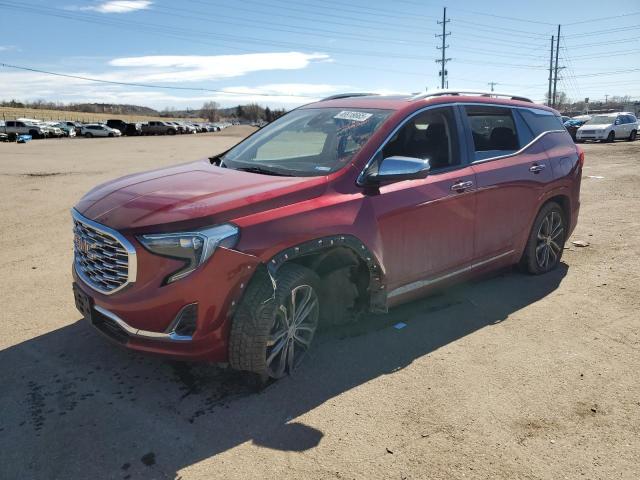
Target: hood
column 192, row 193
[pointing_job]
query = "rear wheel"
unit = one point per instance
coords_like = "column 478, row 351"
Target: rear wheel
column 272, row 330
column 171, row 132
column 546, row 240
column 611, row 137
column 632, row 137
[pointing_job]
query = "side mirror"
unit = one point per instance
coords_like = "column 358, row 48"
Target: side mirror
column 397, row 168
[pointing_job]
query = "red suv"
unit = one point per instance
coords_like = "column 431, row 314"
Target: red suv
column 354, row 203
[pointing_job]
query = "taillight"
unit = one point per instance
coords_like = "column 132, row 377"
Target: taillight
column 580, row 156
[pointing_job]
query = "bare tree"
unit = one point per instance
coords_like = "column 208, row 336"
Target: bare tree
column 210, row 111
column 253, row 112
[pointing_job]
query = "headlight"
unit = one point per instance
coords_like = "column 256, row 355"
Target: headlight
column 193, row 248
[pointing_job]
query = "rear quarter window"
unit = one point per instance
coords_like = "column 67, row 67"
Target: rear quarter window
column 540, row 121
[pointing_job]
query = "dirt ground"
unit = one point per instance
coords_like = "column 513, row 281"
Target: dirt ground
column 511, row 377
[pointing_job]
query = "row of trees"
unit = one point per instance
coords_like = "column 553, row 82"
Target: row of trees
column 251, row 112
column 615, row 102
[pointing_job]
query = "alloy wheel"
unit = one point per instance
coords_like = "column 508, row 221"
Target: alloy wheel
column 293, row 330
column 550, row 240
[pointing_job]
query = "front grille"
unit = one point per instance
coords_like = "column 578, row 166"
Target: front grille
column 103, row 259
column 589, row 132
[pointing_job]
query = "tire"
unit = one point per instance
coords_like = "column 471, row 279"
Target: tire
column 88, row 135
column 111, row 135
column 171, row 132
column 260, row 340
column 35, row 134
column 546, row 240
column 611, row 137
column 633, row 135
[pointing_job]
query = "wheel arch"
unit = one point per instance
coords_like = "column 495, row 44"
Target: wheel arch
column 328, row 254
column 564, row 201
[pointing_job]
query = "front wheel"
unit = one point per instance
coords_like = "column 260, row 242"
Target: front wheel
column 88, row 135
column 546, row 240
column 272, row 330
column 611, row 137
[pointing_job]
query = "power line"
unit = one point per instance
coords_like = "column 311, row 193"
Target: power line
column 162, row 29
column 147, row 85
column 600, row 32
column 492, row 28
column 602, row 18
column 504, row 17
column 604, row 74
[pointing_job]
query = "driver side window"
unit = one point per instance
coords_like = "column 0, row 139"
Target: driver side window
column 430, row 135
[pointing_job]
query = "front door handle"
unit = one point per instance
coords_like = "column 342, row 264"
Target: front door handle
column 537, row 167
column 461, row 186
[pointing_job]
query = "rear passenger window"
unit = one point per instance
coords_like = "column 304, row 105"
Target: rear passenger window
column 494, row 131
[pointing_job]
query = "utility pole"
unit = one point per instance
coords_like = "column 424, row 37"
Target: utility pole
column 555, row 76
column 550, row 72
column 492, row 84
column 606, row 99
column 444, row 59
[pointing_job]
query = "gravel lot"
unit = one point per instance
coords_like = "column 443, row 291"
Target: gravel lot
column 511, row 377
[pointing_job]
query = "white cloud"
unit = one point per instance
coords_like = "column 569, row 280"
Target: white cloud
column 115, row 6
column 33, row 86
column 6, row 48
column 190, row 68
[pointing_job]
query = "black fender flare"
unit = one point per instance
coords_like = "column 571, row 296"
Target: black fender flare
column 376, row 288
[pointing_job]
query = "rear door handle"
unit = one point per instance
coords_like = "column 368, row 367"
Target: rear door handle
column 461, row 186
column 537, row 167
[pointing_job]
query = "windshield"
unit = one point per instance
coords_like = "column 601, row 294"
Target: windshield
column 307, row 142
column 601, row 120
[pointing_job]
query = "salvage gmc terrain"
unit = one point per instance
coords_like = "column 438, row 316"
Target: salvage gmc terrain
column 355, row 203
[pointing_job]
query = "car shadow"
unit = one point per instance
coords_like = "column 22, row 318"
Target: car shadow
column 75, row 406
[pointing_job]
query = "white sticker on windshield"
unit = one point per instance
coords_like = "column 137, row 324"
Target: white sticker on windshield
column 355, row 116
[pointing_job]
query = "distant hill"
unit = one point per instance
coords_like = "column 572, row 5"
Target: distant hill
column 119, row 109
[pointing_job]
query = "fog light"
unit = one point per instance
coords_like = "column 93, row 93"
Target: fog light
column 186, row 321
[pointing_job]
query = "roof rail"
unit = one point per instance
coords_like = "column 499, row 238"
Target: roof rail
column 348, row 95
column 482, row 93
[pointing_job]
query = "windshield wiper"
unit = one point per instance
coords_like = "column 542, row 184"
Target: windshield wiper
column 263, row 171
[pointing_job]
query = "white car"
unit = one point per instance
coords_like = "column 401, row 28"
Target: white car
column 608, row 127
column 97, row 130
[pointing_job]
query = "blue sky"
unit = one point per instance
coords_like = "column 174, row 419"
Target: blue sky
column 284, row 53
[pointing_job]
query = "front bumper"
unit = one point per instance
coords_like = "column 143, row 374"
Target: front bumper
column 141, row 316
column 598, row 135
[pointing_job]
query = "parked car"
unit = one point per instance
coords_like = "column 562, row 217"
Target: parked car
column 349, row 204
column 159, row 128
column 4, row 137
column 184, row 127
column 67, row 130
column 19, row 127
column 99, row 130
column 572, row 126
column 126, row 128
column 608, row 127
